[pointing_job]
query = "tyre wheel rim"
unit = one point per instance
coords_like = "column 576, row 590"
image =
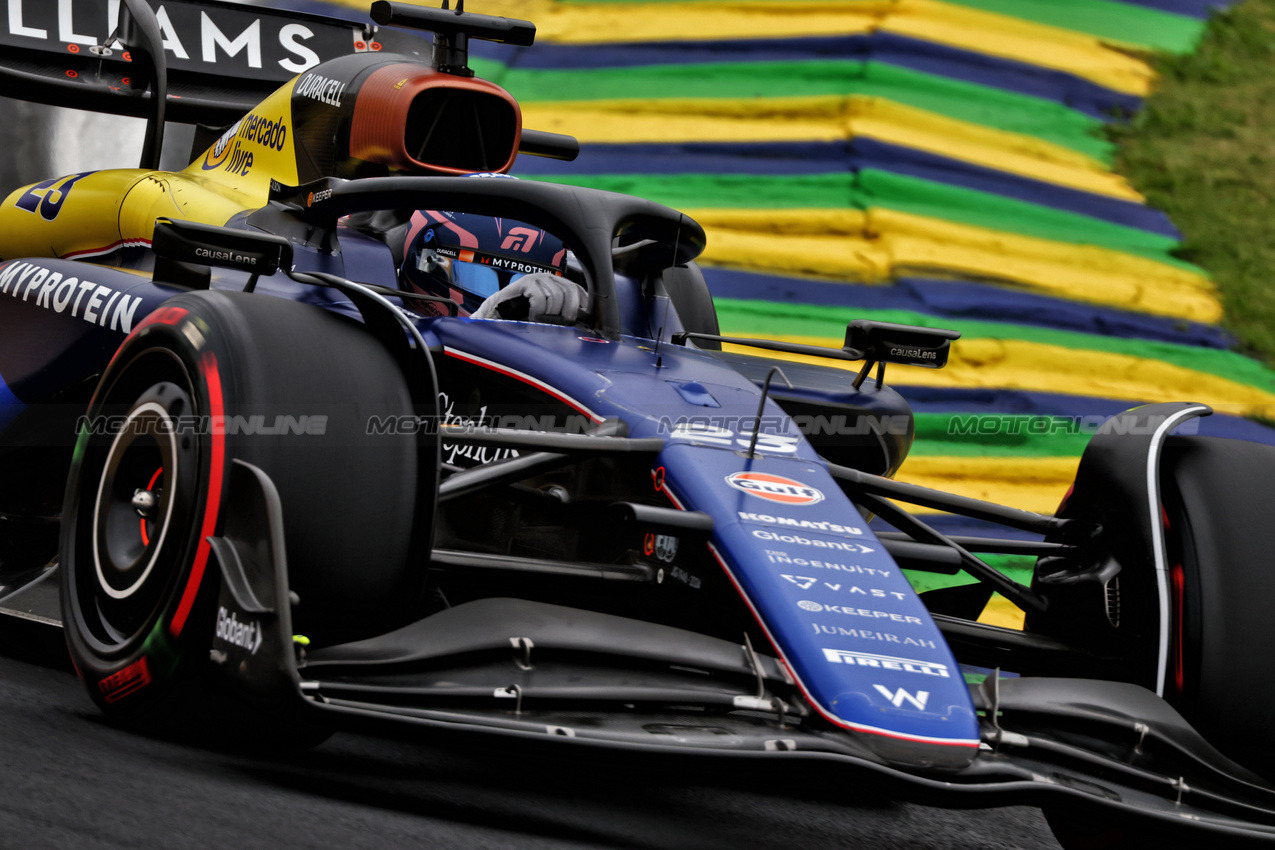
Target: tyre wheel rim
column 139, row 501
column 133, row 506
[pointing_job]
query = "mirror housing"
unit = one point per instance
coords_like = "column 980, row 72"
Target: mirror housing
column 204, row 244
column 886, row 342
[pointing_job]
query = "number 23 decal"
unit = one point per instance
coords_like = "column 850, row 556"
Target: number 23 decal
column 47, row 199
column 726, row 439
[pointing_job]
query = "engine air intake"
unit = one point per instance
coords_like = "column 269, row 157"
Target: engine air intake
column 422, row 122
column 461, row 129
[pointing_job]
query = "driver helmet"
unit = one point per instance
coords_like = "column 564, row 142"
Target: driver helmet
column 466, row 258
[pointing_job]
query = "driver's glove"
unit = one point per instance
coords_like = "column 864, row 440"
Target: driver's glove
column 540, row 297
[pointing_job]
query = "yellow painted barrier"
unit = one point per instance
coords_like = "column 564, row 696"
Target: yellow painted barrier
column 825, row 118
column 1029, row 483
column 931, row 20
column 1022, row 365
column 1001, row 612
column 879, row 244
column 1023, row 41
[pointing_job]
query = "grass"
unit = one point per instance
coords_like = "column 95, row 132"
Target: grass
column 1203, row 150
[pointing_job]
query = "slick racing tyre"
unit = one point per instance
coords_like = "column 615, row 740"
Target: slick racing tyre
column 1218, row 495
column 207, row 379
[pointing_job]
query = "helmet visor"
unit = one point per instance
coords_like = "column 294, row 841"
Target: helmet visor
column 483, row 275
column 483, row 281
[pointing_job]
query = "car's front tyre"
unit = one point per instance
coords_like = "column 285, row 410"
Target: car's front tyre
column 207, row 379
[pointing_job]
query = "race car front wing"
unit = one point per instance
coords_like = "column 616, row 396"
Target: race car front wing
column 533, row 675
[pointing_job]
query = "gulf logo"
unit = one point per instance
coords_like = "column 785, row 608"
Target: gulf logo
column 774, row 488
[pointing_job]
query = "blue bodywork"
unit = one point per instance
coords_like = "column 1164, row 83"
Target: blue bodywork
column 834, row 604
column 838, row 611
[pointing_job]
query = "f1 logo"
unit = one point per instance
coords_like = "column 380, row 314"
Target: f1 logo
column 897, row 697
column 520, row 239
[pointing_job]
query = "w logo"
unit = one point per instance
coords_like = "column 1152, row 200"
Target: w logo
column 520, row 239
column 897, row 697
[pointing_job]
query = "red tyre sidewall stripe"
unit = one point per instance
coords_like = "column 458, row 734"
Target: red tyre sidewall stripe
column 146, row 540
column 212, row 380
column 1177, row 582
column 159, row 316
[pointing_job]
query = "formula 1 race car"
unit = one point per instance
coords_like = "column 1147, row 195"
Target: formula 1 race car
column 242, row 453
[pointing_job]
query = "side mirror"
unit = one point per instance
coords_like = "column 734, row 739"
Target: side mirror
column 204, row 244
column 886, row 342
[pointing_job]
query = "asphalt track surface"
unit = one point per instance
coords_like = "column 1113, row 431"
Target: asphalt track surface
column 69, row 779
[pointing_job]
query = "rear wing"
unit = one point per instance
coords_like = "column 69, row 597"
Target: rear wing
column 222, row 58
